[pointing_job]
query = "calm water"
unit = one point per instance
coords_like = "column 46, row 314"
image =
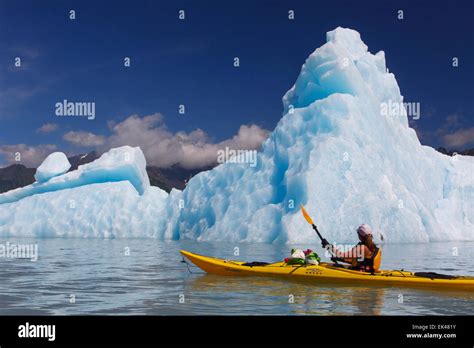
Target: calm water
column 151, row 280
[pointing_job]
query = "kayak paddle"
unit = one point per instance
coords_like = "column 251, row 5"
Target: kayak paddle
column 324, row 242
column 310, row 221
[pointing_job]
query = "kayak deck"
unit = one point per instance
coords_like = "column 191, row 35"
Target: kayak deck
column 326, row 272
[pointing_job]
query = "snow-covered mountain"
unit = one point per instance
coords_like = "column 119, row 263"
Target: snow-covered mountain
column 335, row 150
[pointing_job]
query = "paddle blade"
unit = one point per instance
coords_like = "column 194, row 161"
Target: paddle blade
column 306, row 215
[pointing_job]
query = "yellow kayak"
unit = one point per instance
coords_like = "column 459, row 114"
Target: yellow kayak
column 329, row 273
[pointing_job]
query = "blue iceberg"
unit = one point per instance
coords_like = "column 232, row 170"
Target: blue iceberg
column 333, row 151
column 124, row 163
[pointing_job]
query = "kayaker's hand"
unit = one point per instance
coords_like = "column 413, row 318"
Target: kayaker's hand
column 325, row 243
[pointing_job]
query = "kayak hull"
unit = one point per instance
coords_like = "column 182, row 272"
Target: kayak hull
column 327, row 273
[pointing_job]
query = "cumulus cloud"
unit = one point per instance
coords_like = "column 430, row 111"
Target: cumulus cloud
column 163, row 148
column 459, row 138
column 453, row 134
column 30, row 156
column 84, row 139
column 47, row 128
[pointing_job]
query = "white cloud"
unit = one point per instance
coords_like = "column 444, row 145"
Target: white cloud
column 452, row 134
column 459, row 138
column 30, row 156
column 47, row 128
column 84, row 139
column 189, row 150
column 163, row 148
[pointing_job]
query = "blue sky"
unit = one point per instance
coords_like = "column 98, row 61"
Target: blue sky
column 190, row 62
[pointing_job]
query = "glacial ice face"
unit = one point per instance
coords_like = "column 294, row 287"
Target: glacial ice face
column 121, row 164
column 53, row 165
column 333, row 151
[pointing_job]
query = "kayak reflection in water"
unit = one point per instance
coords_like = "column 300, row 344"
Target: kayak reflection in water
column 365, row 256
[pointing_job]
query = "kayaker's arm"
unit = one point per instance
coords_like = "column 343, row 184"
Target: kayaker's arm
column 326, row 245
column 334, row 251
column 347, row 257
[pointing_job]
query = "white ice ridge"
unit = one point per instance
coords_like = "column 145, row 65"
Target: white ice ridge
column 121, row 164
column 333, row 151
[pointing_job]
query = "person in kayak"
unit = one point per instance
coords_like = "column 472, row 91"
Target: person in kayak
column 365, row 256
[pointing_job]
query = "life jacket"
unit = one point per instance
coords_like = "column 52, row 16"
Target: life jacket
column 371, row 264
